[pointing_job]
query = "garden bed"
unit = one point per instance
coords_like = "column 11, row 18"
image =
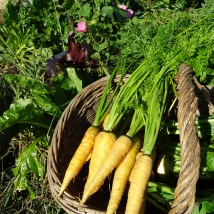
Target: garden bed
column 50, row 51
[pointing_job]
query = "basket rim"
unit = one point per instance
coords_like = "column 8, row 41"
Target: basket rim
column 53, row 177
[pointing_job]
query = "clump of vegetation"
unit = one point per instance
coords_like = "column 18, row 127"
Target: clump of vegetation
column 158, row 34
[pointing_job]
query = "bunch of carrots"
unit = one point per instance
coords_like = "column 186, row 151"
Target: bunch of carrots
column 124, row 132
column 122, row 138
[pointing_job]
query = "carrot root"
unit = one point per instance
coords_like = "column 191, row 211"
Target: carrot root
column 139, row 180
column 79, row 157
column 103, row 143
column 120, row 148
column 121, row 176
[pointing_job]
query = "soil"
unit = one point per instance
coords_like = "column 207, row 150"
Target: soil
column 3, row 4
column 2, row 7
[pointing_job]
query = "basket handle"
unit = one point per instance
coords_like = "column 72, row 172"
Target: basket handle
column 184, row 194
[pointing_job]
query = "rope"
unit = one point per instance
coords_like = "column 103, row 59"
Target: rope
column 184, row 195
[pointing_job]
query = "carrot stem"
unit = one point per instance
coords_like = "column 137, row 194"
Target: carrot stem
column 125, row 95
column 156, row 109
column 138, row 121
column 103, row 98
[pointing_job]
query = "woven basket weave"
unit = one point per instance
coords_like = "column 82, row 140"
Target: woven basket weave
column 75, row 120
column 68, row 133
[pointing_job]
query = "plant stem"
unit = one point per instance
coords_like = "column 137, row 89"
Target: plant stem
column 156, row 108
column 163, row 188
column 138, row 121
column 152, row 202
column 125, row 95
column 36, row 123
column 158, row 198
column 60, row 29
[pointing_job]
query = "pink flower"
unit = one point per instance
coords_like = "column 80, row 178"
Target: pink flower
column 122, row 6
column 129, row 13
column 81, row 27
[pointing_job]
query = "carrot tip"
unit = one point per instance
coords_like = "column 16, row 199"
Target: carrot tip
column 60, row 193
column 57, row 197
column 84, row 199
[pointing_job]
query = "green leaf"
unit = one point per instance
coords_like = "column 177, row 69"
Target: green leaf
column 68, row 4
column 27, row 162
column 85, row 10
column 119, row 14
column 21, row 183
column 210, row 160
column 207, row 207
column 73, row 76
column 196, row 209
column 47, row 104
column 100, row 47
column 152, row 189
column 95, row 56
column 108, row 11
column 30, row 83
column 12, row 12
column 204, row 205
column 97, row 5
column 168, row 197
column 61, row 99
column 58, row 79
column 67, row 84
column 20, row 110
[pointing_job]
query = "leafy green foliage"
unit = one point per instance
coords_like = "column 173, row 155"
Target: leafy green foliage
column 29, row 83
column 28, row 161
column 30, row 33
column 45, row 21
column 204, row 205
column 103, row 20
column 176, row 4
column 210, row 159
column 75, row 79
column 172, row 148
column 161, row 196
column 23, row 109
column 168, row 144
column 36, row 101
column 167, row 36
column 33, row 31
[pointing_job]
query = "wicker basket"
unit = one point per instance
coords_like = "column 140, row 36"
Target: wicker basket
column 69, row 131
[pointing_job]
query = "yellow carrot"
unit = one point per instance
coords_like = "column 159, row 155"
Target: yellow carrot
column 120, row 148
column 103, row 143
column 103, row 124
column 121, row 176
column 88, row 158
column 143, row 205
column 79, row 157
column 139, row 180
column 153, row 156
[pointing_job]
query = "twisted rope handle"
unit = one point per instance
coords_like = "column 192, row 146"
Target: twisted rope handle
column 184, row 195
